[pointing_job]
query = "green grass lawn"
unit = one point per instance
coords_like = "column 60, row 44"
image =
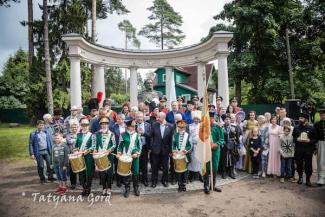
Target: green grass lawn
column 14, row 142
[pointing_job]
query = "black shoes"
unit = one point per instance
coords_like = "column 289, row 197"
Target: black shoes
column 145, row 183
column 153, row 184
column 165, row 184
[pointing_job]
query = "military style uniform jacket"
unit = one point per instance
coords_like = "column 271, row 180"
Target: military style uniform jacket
column 182, row 144
column 123, row 148
column 217, row 137
column 83, row 145
column 106, row 141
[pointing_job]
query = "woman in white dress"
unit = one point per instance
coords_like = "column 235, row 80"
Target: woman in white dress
column 274, row 162
column 194, row 166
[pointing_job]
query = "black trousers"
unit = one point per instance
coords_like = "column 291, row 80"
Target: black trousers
column 73, row 176
column 172, row 168
column 156, row 158
column 106, row 179
column 144, row 158
column 181, row 179
column 85, row 181
column 255, row 163
column 304, row 160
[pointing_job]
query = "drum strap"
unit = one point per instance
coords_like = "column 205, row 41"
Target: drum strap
column 183, row 145
column 133, row 137
column 105, row 140
column 84, row 141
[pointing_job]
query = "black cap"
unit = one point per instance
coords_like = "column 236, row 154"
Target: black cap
column 57, row 111
column 189, row 102
column 304, row 115
column 180, row 98
column 162, row 99
column 93, row 104
column 130, row 122
column 196, row 98
column 219, row 97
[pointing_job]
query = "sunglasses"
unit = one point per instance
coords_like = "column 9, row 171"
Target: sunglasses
column 181, row 127
column 84, row 125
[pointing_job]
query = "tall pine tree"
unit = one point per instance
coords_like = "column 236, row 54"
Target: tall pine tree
column 164, row 29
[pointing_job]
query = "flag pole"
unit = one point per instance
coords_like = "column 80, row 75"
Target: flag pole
column 206, row 102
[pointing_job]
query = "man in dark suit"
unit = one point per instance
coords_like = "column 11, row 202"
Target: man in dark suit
column 162, row 136
column 144, row 129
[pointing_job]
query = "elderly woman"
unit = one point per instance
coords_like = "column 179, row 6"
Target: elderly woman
column 264, row 134
column 194, row 166
column 287, row 122
column 240, row 117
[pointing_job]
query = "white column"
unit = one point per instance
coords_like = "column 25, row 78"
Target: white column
column 133, row 86
column 75, row 82
column 223, row 87
column 201, row 79
column 170, row 86
column 99, row 80
column 214, row 100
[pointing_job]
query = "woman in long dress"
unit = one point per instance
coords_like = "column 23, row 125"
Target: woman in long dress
column 194, row 166
column 248, row 126
column 274, row 162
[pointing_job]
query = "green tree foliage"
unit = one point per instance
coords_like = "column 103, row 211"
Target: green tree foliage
column 130, row 33
column 69, row 16
column 114, row 81
column 6, row 3
column 164, row 29
column 14, row 81
column 258, row 49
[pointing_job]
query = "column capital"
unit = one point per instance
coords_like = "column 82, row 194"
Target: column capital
column 133, row 67
column 74, row 58
column 222, row 54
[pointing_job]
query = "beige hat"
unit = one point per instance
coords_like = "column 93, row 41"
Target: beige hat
column 196, row 114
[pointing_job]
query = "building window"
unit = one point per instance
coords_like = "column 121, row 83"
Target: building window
column 187, row 97
column 164, row 78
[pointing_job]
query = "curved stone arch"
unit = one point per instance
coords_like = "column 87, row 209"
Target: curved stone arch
column 214, row 48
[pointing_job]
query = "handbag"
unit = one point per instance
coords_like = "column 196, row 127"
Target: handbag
column 242, row 151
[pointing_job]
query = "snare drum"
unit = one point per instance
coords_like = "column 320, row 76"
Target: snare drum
column 124, row 165
column 180, row 163
column 77, row 162
column 101, row 161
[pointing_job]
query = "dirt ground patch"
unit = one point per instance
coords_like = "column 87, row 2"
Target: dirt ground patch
column 247, row 197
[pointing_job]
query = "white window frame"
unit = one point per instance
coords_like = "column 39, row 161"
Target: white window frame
column 164, row 77
column 186, row 97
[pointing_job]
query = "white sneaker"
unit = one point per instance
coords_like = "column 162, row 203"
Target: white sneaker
column 263, row 175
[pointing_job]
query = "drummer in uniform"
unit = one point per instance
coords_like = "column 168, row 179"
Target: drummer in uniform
column 105, row 143
column 181, row 145
column 217, row 141
column 84, row 144
column 130, row 145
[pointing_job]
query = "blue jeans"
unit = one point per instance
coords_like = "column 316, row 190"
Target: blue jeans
column 60, row 173
column 286, row 170
column 264, row 161
column 40, row 158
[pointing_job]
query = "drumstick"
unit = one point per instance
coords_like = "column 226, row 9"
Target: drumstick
column 109, row 153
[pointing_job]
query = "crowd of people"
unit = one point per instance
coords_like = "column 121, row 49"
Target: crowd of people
column 268, row 145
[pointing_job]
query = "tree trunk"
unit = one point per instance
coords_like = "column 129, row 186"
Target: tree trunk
column 93, row 21
column 93, row 38
column 161, row 33
column 30, row 33
column 238, row 90
column 47, row 59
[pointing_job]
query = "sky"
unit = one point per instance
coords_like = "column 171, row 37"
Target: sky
column 197, row 20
